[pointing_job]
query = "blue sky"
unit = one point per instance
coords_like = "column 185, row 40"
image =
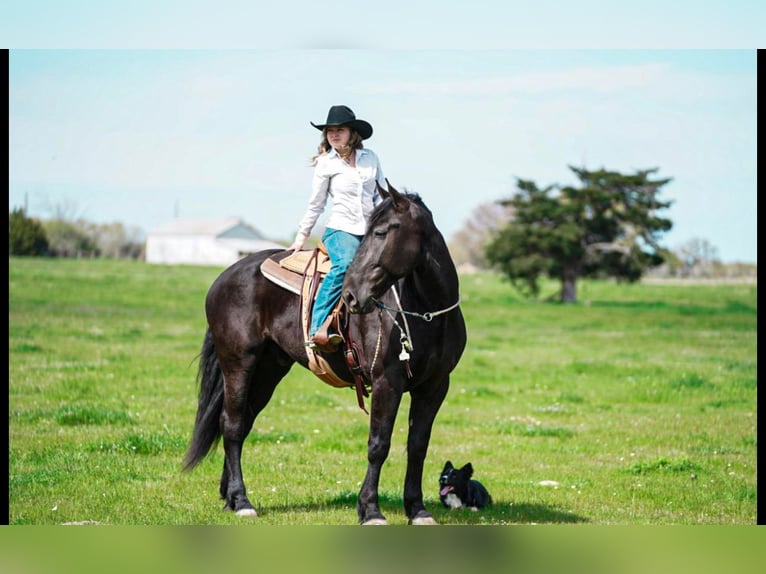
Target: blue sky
column 124, row 126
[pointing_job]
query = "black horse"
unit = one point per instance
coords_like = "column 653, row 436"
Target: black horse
column 411, row 344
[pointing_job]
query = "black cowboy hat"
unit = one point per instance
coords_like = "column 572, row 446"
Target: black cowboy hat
column 344, row 116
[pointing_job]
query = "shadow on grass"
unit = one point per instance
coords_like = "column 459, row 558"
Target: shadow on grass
column 504, row 512
column 499, row 513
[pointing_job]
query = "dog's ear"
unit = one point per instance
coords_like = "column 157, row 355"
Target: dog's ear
column 467, row 470
column 447, row 466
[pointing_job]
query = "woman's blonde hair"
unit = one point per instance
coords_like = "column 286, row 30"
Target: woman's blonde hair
column 354, row 142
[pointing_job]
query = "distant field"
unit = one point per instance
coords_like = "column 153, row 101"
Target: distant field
column 637, row 405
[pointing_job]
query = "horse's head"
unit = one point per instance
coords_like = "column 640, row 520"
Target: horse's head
column 390, row 249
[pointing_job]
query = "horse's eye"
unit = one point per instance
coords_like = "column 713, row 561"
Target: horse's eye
column 382, row 232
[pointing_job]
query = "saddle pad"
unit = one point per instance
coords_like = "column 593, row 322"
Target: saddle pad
column 275, row 273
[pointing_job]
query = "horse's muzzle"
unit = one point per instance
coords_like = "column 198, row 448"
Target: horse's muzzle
column 355, row 306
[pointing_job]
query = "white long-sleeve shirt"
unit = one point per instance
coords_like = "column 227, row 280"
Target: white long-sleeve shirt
column 353, row 191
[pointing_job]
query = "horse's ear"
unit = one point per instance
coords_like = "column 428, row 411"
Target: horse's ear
column 383, row 192
column 400, row 202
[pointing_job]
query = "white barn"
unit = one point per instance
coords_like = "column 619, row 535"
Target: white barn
column 204, row 242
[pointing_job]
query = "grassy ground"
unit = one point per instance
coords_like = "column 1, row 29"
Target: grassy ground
column 637, row 405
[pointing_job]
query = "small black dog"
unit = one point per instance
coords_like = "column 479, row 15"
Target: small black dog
column 457, row 489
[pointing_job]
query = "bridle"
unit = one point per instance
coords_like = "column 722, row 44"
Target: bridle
column 405, row 338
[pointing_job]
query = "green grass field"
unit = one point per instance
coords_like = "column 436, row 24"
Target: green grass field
column 635, row 406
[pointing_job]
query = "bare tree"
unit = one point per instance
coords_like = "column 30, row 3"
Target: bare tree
column 699, row 258
column 467, row 244
column 116, row 241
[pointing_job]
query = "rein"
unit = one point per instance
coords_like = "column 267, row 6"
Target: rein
column 427, row 316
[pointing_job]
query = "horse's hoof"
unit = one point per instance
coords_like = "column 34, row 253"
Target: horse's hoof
column 375, row 522
column 247, row 513
column 423, row 521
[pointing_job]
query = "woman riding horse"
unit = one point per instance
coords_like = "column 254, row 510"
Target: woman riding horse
column 403, row 270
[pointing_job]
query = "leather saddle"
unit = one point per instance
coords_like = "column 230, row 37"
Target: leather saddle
column 301, row 272
column 288, row 270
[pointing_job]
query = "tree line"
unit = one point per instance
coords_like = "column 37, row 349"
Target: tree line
column 59, row 237
column 609, row 225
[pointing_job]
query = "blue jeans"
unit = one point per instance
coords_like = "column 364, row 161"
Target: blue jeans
column 341, row 247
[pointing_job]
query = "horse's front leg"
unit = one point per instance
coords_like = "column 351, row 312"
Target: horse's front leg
column 385, row 403
column 423, row 409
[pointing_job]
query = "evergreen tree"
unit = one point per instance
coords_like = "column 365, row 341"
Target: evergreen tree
column 607, row 227
column 26, row 235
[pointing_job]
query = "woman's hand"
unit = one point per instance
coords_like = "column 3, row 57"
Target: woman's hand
column 296, row 246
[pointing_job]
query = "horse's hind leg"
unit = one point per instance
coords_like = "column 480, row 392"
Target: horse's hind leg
column 247, row 391
column 423, row 409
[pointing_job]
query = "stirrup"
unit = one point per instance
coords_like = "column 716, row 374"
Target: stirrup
column 327, row 349
column 327, row 342
column 335, row 339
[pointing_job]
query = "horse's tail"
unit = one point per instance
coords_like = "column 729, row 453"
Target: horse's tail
column 207, row 430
